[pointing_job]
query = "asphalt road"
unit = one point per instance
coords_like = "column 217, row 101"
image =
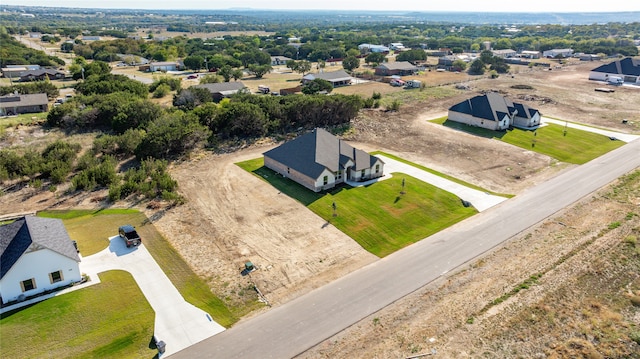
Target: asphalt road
column 290, row 329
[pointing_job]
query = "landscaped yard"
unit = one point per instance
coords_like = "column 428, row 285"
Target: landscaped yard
column 378, row 216
column 573, row 146
column 91, row 229
column 108, row 320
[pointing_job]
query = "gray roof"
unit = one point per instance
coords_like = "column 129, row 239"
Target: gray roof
column 223, row 87
column 16, row 237
column 493, row 107
column 312, row 153
column 40, row 72
column 10, row 101
column 627, row 66
column 334, row 76
column 398, row 65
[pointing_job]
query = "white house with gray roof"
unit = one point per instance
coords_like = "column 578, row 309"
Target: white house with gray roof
column 494, row 112
column 319, row 160
column 337, row 78
column 36, row 255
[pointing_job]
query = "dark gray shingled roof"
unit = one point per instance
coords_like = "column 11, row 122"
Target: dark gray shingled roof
column 221, row 87
column 492, row 107
column 399, row 65
column 9, row 101
column 626, row 66
column 312, row 153
column 339, row 75
column 16, row 237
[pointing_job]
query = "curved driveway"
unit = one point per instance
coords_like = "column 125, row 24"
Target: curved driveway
column 177, row 323
column 292, row 328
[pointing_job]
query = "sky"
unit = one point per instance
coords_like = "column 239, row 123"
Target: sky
column 419, row 5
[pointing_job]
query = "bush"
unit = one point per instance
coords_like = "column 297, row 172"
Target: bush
column 394, row 106
column 376, row 96
column 161, row 91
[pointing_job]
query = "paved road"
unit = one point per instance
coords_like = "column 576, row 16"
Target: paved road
column 177, row 323
column 292, row 328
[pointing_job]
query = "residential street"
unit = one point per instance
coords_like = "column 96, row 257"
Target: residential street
column 292, row 328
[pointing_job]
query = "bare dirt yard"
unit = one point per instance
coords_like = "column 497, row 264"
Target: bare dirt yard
column 231, row 217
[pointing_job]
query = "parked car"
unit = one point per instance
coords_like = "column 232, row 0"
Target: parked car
column 191, row 77
column 130, row 236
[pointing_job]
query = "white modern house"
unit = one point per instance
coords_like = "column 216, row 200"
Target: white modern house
column 627, row 69
column 557, row 52
column 36, row 255
column 494, row 112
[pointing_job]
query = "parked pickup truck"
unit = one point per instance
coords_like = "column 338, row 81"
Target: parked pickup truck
column 129, row 235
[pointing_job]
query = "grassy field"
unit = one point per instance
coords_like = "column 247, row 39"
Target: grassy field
column 23, row 119
column 108, row 320
column 574, row 146
column 378, row 216
column 83, row 225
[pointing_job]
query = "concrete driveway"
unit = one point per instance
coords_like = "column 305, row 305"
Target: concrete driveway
column 625, row 137
column 177, row 323
column 480, row 200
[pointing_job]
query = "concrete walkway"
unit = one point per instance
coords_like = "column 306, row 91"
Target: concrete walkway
column 177, row 323
column 625, row 137
column 480, row 200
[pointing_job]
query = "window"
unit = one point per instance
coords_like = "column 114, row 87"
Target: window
column 325, row 180
column 288, row 170
column 339, row 174
column 28, row 284
column 55, row 277
column 362, row 174
column 377, row 168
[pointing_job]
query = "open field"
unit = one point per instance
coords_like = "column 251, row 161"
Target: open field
column 111, row 319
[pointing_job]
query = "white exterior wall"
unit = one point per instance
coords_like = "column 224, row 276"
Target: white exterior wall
column 479, row 122
column 526, row 122
column 38, row 265
column 331, row 180
column 598, row 76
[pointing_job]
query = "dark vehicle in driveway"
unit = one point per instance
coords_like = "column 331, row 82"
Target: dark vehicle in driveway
column 130, row 236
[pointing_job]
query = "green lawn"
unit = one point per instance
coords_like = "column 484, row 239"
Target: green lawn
column 91, row 229
column 23, row 119
column 108, row 320
column 377, row 216
column 574, row 146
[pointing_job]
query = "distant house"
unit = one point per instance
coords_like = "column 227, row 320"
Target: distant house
column 400, row 68
column 90, row 38
column 36, row 255
column 553, row 53
column 628, row 69
column 319, row 160
column 41, row 75
column 164, row 66
column 397, row 46
column 221, row 90
column 337, row 78
column 15, row 104
column 506, row 53
column 530, row 54
column 589, row 57
column 494, row 112
column 279, row 60
column 373, row 48
column 13, row 72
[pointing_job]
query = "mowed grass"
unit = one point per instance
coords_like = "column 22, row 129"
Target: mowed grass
column 378, row 216
column 92, row 229
column 573, row 146
column 111, row 319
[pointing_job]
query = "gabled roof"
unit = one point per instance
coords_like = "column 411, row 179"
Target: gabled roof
column 223, row 87
column 36, row 99
column 334, row 76
column 493, row 107
column 312, row 153
column 40, row 72
column 17, row 237
column 626, row 66
column 398, row 65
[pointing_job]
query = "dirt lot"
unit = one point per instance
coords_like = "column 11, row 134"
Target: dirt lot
column 231, row 217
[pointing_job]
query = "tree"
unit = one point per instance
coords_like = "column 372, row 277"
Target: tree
column 459, row 65
column 351, row 63
column 193, row 62
column 412, row 55
column 317, row 85
column 171, row 135
column 302, row 66
column 209, row 79
column 477, row 67
column 374, row 58
column 259, row 70
column 237, row 74
column 226, row 71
